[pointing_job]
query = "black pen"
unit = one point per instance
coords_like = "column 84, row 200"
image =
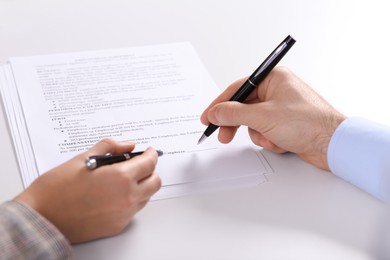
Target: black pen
column 255, row 79
column 93, row 162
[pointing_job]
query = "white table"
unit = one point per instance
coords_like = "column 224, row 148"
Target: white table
column 302, row 212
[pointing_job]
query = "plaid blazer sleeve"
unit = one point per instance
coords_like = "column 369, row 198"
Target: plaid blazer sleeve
column 25, row 234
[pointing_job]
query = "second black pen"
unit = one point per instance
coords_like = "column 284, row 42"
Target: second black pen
column 256, row 78
column 93, row 162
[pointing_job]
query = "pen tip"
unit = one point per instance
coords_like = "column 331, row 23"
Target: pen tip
column 202, row 138
column 159, row 152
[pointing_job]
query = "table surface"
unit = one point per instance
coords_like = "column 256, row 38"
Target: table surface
column 302, row 212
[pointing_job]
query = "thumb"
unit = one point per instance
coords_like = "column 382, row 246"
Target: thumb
column 232, row 113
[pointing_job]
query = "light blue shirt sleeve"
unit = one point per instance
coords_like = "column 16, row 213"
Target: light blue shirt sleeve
column 359, row 152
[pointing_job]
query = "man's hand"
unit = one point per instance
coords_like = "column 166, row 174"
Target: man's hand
column 86, row 205
column 282, row 114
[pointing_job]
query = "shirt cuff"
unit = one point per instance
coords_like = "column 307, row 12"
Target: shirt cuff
column 359, row 152
column 28, row 235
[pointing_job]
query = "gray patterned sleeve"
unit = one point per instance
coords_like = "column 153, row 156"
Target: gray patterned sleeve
column 24, row 234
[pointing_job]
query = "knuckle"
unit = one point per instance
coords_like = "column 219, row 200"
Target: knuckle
column 127, row 202
column 282, row 73
column 131, row 201
column 124, row 179
column 121, row 170
column 232, row 110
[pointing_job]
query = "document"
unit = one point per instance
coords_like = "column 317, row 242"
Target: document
column 60, row 105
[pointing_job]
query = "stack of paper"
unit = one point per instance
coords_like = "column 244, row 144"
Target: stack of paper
column 60, row 105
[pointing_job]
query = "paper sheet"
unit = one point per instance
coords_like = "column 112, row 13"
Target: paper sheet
column 62, row 104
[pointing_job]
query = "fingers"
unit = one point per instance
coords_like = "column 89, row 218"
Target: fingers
column 141, row 166
column 110, row 146
column 149, row 186
column 137, row 174
column 234, row 114
column 224, row 96
column 226, row 134
column 268, row 85
column 278, row 74
column 135, row 169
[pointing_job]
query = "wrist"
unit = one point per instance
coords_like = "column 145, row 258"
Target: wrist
column 330, row 124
